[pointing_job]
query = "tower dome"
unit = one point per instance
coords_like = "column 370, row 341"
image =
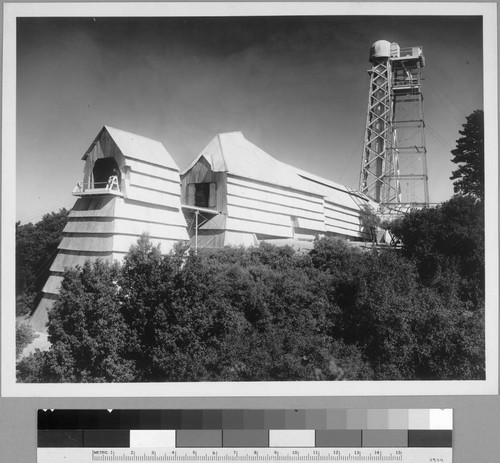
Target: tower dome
column 379, row 50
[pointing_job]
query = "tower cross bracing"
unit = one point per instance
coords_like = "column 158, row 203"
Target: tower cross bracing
column 394, row 165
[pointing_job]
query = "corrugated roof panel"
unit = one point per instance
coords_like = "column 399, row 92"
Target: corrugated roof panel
column 144, row 149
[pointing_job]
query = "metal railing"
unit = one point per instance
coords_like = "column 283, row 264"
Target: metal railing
column 410, row 52
column 111, row 185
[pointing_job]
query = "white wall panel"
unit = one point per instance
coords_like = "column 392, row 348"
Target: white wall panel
column 155, row 230
column 288, row 210
column 157, row 171
column 233, row 238
column 154, row 183
column 341, row 222
column 342, row 210
column 53, row 284
column 342, row 231
column 258, row 216
column 168, row 197
column 65, row 260
column 122, row 243
column 90, row 243
column 257, row 191
column 235, row 224
column 152, row 214
column 311, row 224
column 89, row 226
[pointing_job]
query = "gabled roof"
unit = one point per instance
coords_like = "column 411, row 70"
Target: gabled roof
column 234, row 154
column 134, row 146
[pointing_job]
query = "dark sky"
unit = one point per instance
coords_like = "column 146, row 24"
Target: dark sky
column 297, row 87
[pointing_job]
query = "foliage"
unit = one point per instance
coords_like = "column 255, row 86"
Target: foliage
column 448, row 238
column 469, row 155
column 264, row 313
column 25, row 304
column 86, row 329
column 35, row 250
column 370, row 221
column 24, row 337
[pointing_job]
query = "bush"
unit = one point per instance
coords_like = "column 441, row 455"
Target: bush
column 258, row 314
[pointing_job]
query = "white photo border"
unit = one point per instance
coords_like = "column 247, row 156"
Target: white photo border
column 9, row 386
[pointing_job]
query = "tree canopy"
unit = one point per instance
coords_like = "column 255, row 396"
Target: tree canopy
column 264, row 313
column 447, row 242
column 469, row 155
column 36, row 246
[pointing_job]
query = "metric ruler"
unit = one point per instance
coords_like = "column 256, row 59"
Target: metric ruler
column 239, row 455
column 245, row 436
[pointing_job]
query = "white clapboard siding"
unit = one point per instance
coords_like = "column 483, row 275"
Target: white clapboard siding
column 336, row 226
column 155, row 183
column 334, row 218
column 331, row 215
column 53, row 284
column 90, row 243
column 160, row 198
column 94, row 207
column 234, row 238
column 273, row 194
column 257, row 216
column 335, row 213
column 39, row 319
column 307, row 224
column 91, row 225
column 351, row 213
column 341, row 198
column 89, row 213
column 345, row 225
column 346, row 233
column 241, row 225
column 152, row 214
column 335, row 222
column 113, row 243
column 122, row 243
column 134, row 227
column 251, row 203
column 74, row 259
column 153, row 170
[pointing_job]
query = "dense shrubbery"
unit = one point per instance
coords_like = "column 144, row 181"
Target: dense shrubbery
column 447, row 245
column 36, row 246
column 265, row 313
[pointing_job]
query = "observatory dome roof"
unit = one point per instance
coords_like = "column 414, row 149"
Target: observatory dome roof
column 380, row 49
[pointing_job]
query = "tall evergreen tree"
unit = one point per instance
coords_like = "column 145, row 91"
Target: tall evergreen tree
column 469, row 155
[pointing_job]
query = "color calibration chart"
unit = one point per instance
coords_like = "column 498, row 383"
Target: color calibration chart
column 249, row 435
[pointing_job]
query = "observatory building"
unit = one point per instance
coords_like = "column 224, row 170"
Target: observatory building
column 130, row 186
column 232, row 193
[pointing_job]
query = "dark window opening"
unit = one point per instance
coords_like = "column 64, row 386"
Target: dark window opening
column 104, row 168
column 202, row 194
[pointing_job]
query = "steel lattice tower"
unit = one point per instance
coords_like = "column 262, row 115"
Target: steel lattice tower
column 394, row 165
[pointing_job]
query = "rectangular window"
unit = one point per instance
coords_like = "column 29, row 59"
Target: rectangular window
column 202, row 194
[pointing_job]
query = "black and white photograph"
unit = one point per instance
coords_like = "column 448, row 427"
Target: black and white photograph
column 255, row 201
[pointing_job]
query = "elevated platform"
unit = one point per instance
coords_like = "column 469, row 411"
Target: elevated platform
column 97, row 192
column 109, row 188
